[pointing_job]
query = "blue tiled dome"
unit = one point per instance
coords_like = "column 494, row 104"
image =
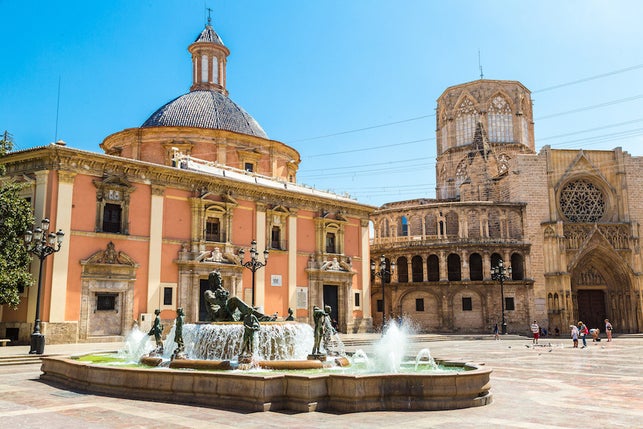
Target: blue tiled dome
column 205, row 109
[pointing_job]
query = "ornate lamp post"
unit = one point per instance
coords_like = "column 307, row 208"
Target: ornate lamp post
column 253, row 264
column 501, row 273
column 41, row 244
column 386, row 269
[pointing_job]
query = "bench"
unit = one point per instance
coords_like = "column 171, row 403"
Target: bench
column 3, row 342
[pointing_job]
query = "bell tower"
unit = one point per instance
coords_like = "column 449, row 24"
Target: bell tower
column 209, row 57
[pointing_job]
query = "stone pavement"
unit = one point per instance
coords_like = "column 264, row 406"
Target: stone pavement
column 549, row 386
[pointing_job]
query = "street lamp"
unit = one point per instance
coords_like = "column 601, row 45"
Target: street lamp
column 253, row 264
column 41, row 244
column 501, row 273
column 386, row 269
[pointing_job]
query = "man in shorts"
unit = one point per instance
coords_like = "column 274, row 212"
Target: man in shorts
column 535, row 330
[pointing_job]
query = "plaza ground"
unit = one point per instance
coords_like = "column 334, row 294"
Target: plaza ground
column 549, row 386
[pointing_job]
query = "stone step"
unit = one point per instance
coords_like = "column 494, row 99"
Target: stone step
column 19, row 360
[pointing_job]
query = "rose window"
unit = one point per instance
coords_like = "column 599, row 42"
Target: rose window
column 582, row 201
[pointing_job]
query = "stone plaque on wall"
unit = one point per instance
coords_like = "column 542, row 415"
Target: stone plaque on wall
column 302, row 297
column 275, row 280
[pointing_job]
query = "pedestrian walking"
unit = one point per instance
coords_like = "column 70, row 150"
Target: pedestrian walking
column 574, row 334
column 495, row 332
column 535, row 330
column 583, row 331
column 608, row 329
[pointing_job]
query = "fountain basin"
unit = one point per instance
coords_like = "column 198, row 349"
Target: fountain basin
column 271, row 391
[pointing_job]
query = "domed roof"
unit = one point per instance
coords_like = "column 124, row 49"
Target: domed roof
column 205, row 109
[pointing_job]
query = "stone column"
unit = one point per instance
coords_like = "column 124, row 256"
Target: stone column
column 292, row 260
column 61, row 258
column 260, row 275
column 155, row 248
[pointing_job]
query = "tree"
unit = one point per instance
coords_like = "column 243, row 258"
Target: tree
column 15, row 218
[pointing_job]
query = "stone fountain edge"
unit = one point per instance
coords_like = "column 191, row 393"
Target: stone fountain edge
column 278, row 391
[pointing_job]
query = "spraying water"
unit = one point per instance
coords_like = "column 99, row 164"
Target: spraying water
column 137, row 344
column 391, row 348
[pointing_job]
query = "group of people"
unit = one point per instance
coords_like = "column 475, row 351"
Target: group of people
column 582, row 331
column 577, row 331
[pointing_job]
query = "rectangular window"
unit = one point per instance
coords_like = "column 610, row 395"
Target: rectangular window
column 509, row 303
column 112, row 218
column 167, row 295
column 330, row 242
column 419, row 304
column 380, row 306
column 275, row 238
column 213, row 229
column 249, row 167
column 356, row 299
column 106, row 301
column 467, row 304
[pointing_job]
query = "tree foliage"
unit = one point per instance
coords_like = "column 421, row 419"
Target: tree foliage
column 15, row 218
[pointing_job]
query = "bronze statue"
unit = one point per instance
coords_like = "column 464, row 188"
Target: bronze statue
column 290, row 316
column 179, row 352
column 156, row 331
column 223, row 308
column 319, row 317
column 250, row 326
column 329, row 330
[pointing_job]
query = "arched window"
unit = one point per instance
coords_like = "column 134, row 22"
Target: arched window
column 430, row 224
column 331, row 243
column 417, row 269
column 453, row 267
column 500, row 121
column 495, row 260
column 433, row 268
column 402, row 270
column 452, row 224
column 387, row 276
column 416, row 225
column 517, row 267
column 475, row 266
column 465, row 122
column 384, row 231
column 473, row 220
column 404, row 227
column 494, row 224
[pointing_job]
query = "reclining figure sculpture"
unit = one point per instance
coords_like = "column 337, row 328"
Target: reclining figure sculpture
column 223, row 308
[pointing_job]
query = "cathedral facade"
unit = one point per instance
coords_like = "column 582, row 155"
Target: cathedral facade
column 565, row 221
column 170, row 201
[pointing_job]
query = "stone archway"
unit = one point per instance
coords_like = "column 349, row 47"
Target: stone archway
column 422, row 307
column 602, row 286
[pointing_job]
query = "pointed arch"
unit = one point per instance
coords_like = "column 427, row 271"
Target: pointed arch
column 500, row 119
column 466, row 116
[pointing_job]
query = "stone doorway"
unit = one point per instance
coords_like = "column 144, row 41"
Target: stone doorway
column 107, row 296
column 591, row 308
column 331, row 297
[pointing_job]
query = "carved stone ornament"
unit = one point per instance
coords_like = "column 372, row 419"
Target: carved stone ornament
column 110, row 256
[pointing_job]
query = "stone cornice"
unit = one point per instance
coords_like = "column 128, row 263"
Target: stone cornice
column 94, row 164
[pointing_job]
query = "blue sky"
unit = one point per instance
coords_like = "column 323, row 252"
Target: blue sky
column 351, row 84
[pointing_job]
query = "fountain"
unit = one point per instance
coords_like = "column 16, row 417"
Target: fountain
column 221, row 372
